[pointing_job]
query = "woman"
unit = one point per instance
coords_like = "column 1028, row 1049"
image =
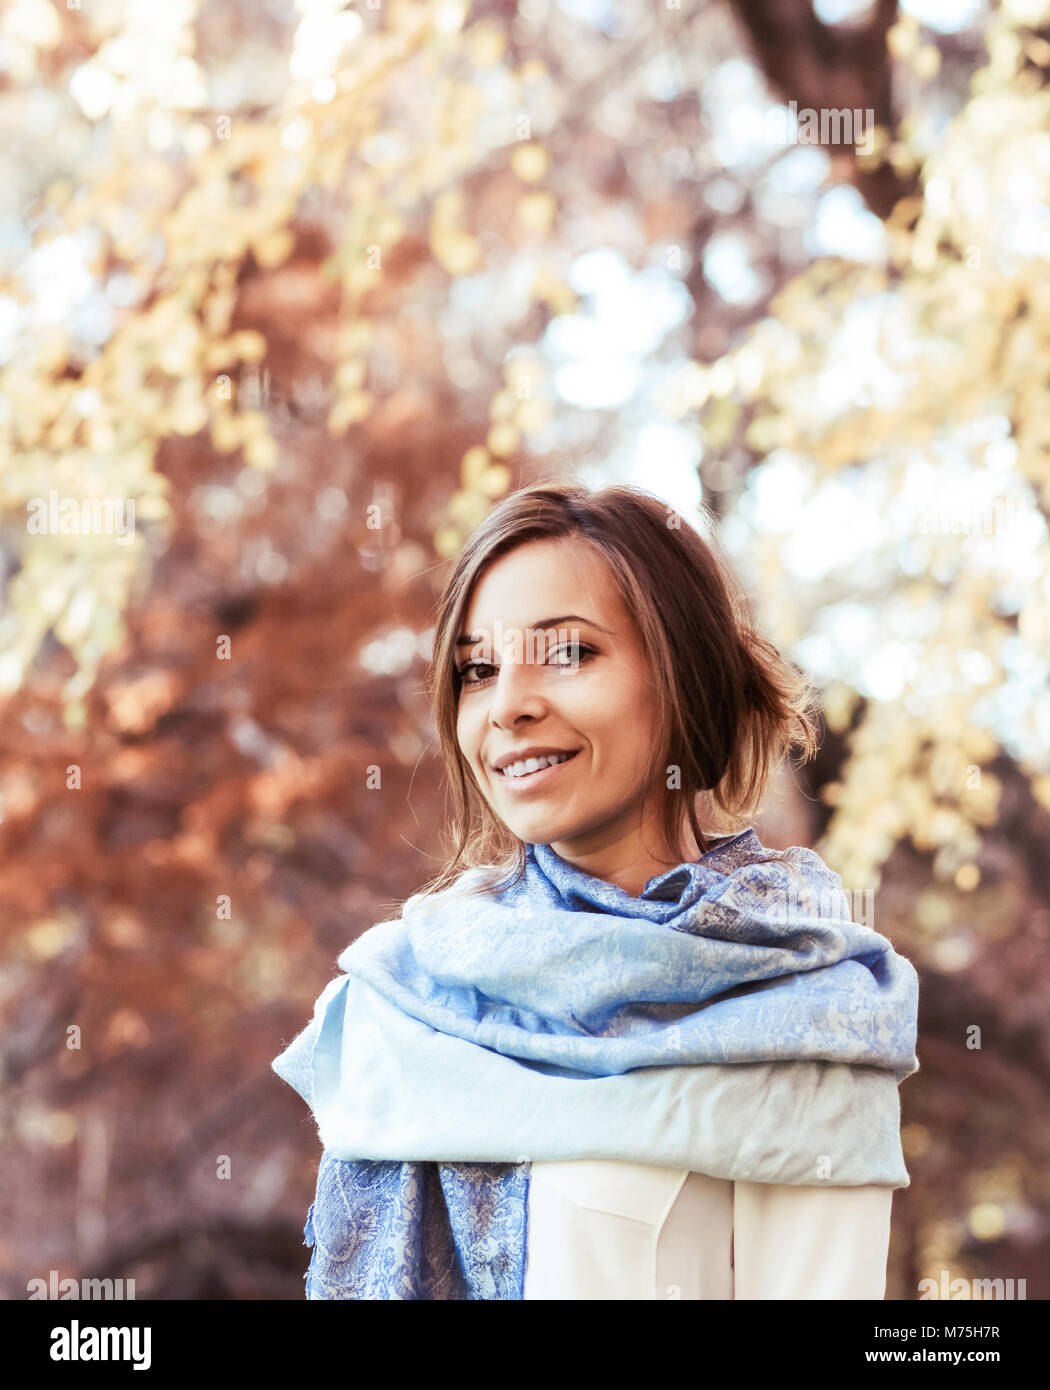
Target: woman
column 603, row 1055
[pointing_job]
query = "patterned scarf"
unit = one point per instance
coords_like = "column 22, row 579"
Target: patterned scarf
column 733, row 1020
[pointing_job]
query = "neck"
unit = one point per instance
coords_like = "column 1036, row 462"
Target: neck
column 629, row 859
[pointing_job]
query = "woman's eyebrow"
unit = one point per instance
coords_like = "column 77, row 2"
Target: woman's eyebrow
column 545, row 623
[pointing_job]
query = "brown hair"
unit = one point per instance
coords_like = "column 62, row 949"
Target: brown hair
column 728, row 706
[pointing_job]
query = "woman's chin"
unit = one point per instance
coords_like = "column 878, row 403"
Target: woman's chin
column 537, row 830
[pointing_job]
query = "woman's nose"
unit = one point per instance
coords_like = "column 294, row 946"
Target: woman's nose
column 515, row 692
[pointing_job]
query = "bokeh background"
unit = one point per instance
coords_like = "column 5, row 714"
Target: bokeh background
column 314, row 285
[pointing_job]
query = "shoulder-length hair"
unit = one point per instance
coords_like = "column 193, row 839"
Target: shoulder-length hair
column 728, row 706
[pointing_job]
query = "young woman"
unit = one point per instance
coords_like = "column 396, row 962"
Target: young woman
column 605, row 1054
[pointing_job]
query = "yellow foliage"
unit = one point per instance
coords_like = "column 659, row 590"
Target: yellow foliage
column 448, row 541
column 473, row 465
column 530, row 162
column 902, row 38
column 502, row 405
column 486, row 43
column 495, row 481
column 532, row 415
column 535, row 212
column 502, row 440
column 959, row 321
column 550, row 289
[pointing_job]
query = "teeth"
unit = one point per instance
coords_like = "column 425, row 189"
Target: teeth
column 522, row 769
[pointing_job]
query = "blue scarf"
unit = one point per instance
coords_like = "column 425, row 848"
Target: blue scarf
column 733, row 1020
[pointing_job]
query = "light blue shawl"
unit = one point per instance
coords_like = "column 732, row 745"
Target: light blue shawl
column 733, row 1019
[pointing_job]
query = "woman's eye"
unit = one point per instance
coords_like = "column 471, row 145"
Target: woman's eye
column 474, row 666
column 472, row 673
column 582, row 653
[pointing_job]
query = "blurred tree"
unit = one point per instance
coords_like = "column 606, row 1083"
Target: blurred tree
column 286, row 282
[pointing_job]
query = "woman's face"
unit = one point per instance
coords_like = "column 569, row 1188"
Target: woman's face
column 579, row 686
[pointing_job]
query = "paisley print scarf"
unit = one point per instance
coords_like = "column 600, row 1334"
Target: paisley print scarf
column 732, row 1019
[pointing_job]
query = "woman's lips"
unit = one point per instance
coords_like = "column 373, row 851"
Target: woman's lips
column 518, row 785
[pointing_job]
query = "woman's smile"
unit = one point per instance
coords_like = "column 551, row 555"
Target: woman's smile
column 521, row 782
